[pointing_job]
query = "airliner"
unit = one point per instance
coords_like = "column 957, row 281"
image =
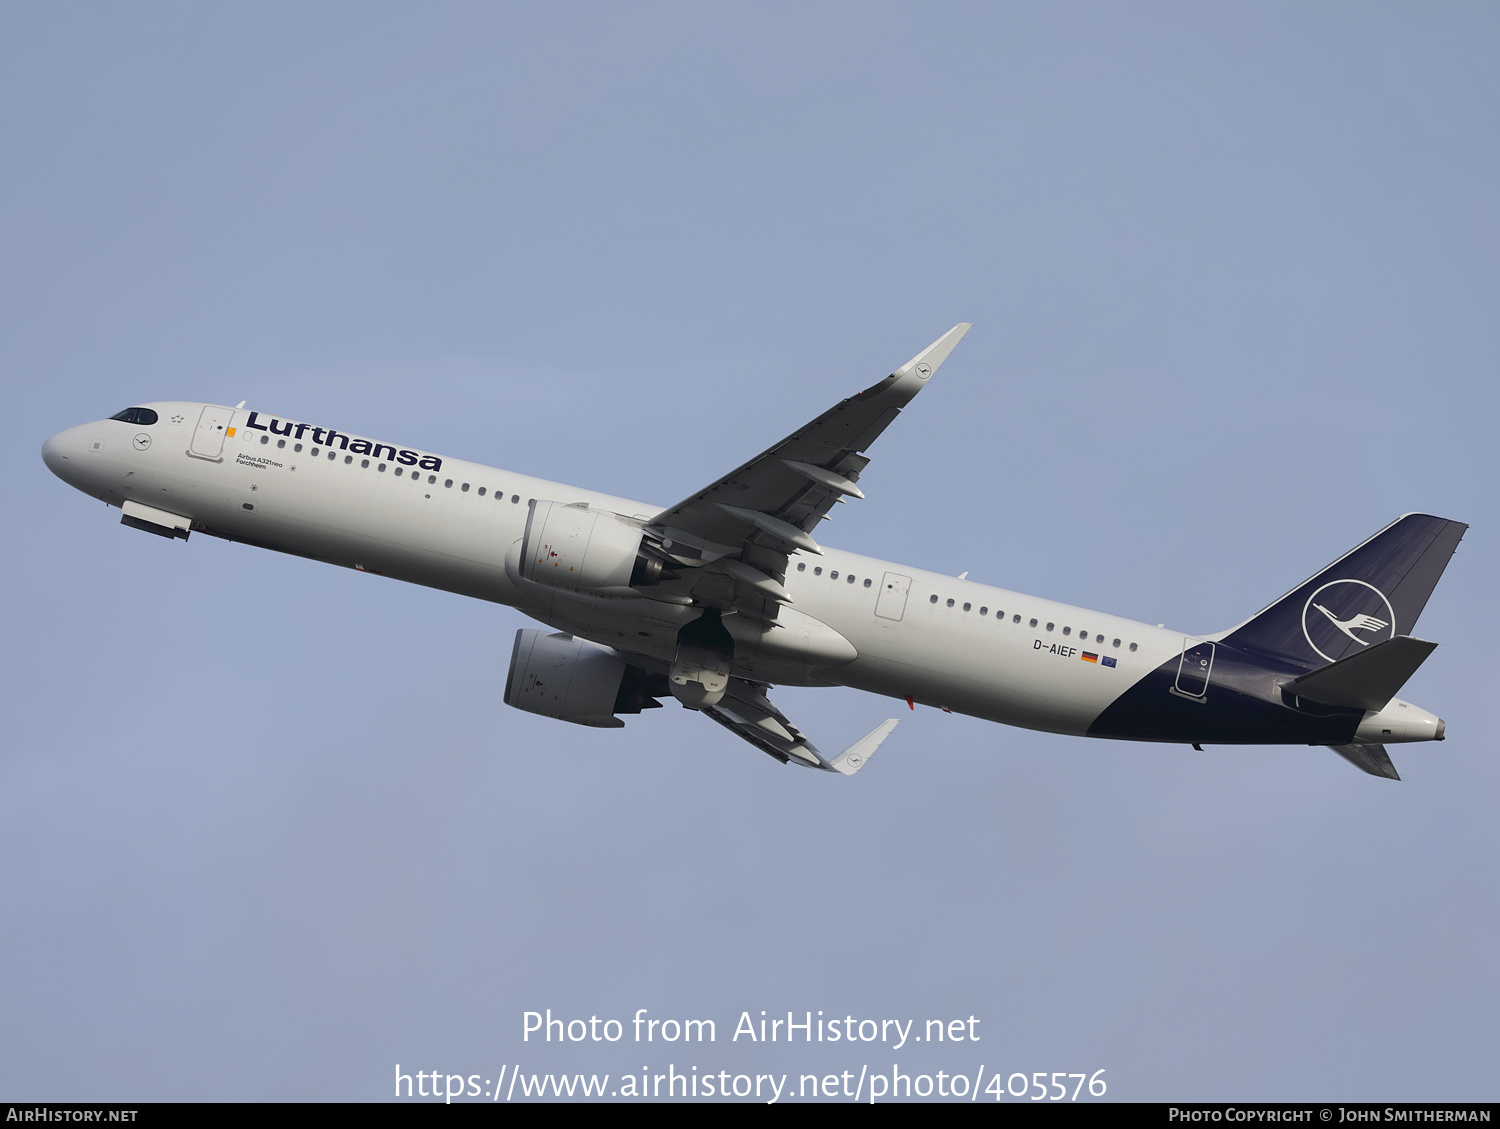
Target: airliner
column 716, row 600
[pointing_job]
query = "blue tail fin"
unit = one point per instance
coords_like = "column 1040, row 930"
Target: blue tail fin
column 1372, row 593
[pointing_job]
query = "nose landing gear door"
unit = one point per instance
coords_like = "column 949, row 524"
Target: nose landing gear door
column 208, row 436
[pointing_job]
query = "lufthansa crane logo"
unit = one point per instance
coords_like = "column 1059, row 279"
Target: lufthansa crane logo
column 1347, row 609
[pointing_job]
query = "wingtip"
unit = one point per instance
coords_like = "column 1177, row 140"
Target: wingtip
column 852, row 759
column 925, row 363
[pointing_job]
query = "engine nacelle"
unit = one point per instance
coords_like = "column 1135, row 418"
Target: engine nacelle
column 571, row 679
column 573, row 546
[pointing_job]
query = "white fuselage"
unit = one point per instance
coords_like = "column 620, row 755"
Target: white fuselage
column 950, row 643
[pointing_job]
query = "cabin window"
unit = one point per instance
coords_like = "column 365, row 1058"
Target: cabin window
column 1066, row 630
column 950, row 601
column 465, row 488
column 967, row 606
column 448, row 484
column 984, row 611
column 316, row 451
column 1132, row 646
column 381, row 468
column 481, row 491
column 1033, row 623
column 867, row 582
column 349, row 460
column 280, row 443
column 264, row 439
column 818, row 571
column 834, row 575
column 801, row 566
column 332, row 455
column 364, row 463
column 398, row 472
column 1098, row 638
column 431, row 479
column 515, row 498
column 1116, row 643
column 851, row 578
column 1049, row 627
column 298, row 448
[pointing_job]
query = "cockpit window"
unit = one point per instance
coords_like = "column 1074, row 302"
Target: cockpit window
column 135, row 415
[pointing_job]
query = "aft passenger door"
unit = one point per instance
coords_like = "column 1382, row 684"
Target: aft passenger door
column 891, row 603
column 1194, row 669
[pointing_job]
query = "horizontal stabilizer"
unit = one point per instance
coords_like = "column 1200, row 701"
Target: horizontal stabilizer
column 852, row 759
column 1368, row 758
column 1366, row 680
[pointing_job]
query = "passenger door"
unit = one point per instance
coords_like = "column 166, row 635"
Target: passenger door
column 1194, row 669
column 208, row 437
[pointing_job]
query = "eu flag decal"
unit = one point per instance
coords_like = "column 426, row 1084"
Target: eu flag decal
column 1107, row 661
column 1090, row 657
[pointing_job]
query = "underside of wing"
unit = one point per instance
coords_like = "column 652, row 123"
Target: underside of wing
column 718, row 560
column 729, row 543
column 746, row 711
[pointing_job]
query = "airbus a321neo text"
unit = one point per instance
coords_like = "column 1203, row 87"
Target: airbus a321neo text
column 718, row 598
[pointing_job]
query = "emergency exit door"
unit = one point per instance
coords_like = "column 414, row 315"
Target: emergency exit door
column 891, row 603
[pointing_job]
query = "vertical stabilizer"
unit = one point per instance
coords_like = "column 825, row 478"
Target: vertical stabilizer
column 1371, row 594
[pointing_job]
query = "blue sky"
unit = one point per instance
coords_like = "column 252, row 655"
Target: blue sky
column 266, row 828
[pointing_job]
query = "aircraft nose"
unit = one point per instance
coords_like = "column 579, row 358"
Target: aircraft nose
column 55, row 454
column 62, row 453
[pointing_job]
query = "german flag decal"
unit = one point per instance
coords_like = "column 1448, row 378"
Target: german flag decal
column 1090, row 657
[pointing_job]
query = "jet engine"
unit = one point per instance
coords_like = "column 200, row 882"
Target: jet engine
column 571, row 679
column 573, row 546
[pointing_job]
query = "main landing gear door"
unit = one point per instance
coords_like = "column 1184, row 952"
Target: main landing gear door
column 1194, row 669
column 891, row 603
column 208, row 438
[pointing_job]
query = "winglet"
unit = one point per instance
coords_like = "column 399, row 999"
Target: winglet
column 899, row 388
column 852, row 759
column 925, row 363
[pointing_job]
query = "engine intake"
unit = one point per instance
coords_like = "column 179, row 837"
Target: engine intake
column 573, row 546
column 571, row 679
